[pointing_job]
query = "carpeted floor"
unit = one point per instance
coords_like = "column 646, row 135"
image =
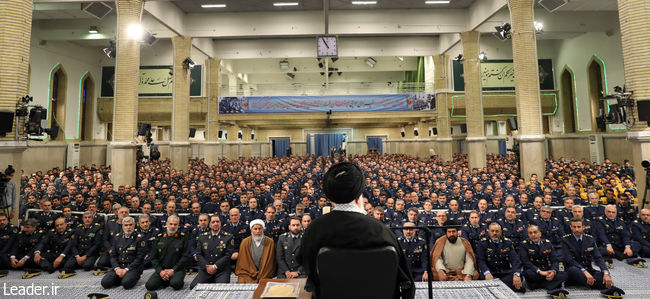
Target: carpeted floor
column 635, row 282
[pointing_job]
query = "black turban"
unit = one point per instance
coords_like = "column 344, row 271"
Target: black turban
column 343, row 182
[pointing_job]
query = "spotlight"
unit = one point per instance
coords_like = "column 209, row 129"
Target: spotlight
column 503, row 32
column 290, row 76
column 459, row 58
column 110, row 51
column 322, row 73
column 188, row 63
column 320, row 65
column 339, row 73
column 371, row 62
column 135, row 31
column 93, row 30
column 330, row 74
column 148, row 38
column 295, row 69
column 482, row 56
column 618, row 89
column 403, row 132
column 334, row 59
column 539, row 27
column 401, row 58
column 284, row 64
column 645, row 164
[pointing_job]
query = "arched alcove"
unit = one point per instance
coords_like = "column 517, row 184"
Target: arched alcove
column 86, row 107
column 57, row 100
column 596, row 85
column 567, row 93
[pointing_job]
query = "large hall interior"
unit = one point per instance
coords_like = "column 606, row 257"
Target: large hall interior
column 176, row 98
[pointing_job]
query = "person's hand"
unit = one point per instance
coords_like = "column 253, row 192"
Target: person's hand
column 196, row 259
column 425, row 276
column 14, row 263
column 442, row 276
column 550, row 275
column 489, row 277
column 610, row 250
column 467, row 278
column 120, row 272
column 163, row 275
column 37, row 258
column 211, row 269
column 57, row 261
column 234, row 256
column 80, row 259
column 12, row 214
column 607, row 280
column 542, row 273
column 590, row 279
column 628, row 251
column 516, row 281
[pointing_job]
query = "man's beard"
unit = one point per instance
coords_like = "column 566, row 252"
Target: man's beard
column 258, row 238
column 452, row 240
column 171, row 232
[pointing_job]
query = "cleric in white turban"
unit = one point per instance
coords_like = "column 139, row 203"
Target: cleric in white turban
column 256, row 256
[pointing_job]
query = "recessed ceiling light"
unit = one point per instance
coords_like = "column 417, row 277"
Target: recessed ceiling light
column 437, row 2
column 285, row 4
column 213, row 5
column 364, row 2
column 93, row 30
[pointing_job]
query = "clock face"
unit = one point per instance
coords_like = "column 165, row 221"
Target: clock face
column 327, row 46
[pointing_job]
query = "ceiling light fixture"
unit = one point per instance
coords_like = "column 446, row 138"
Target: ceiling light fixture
column 371, row 62
column 213, row 5
column 188, row 63
column 437, row 2
column 364, row 2
column 93, row 30
column 539, row 27
column 290, row 76
column 110, row 51
column 284, row 64
column 503, row 32
column 401, row 58
column 459, row 58
column 482, row 56
column 135, row 31
column 285, row 4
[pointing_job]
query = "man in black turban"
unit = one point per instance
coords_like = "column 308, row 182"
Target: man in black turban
column 348, row 227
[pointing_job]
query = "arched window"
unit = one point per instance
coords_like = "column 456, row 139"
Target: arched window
column 596, row 83
column 567, row 90
column 57, row 103
column 86, row 107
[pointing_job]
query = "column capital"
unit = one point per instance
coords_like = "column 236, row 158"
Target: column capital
column 530, row 138
column 639, row 136
column 476, row 139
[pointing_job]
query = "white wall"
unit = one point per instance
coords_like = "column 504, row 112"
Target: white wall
column 76, row 61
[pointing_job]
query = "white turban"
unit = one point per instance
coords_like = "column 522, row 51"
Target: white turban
column 257, row 221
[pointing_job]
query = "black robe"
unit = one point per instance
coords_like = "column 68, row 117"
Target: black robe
column 350, row 230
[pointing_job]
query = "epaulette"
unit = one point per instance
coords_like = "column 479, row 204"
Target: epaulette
column 636, row 221
column 525, row 242
column 117, row 234
column 225, row 233
column 139, row 235
column 399, row 239
column 588, row 235
column 181, row 234
column 159, row 235
column 204, row 233
column 420, row 239
column 547, row 241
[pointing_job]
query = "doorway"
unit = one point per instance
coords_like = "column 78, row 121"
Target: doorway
column 87, row 106
column 56, row 115
column 596, row 82
column 567, row 90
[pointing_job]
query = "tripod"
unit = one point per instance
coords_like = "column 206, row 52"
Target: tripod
column 645, row 190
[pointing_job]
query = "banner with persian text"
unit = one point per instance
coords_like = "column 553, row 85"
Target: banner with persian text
column 155, row 81
column 500, row 75
column 334, row 103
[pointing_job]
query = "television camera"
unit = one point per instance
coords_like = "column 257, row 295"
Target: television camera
column 616, row 108
column 34, row 118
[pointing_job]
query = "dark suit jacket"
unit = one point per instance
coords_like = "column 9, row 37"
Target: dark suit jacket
column 350, row 230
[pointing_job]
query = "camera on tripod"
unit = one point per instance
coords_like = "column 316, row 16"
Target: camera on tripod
column 615, row 108
column 34, row 118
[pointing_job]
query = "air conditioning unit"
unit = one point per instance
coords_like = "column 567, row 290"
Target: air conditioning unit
column 552, row 5
column 73, row 155
column 596, row 149
column 98, row 9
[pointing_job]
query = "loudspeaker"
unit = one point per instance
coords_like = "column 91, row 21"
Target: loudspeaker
column 253, row 136
column 97, row 9
column 416, row 132
column 435, row 131
column 37, row 114
column 143, row 129
column 239, row 135
column 6, row 122
column 220, row 133
column 403, row 134
column 192, row 132
column 600, row 123
column 512, row 123
column 552, row 5
column 643, row 107
column 463, row 128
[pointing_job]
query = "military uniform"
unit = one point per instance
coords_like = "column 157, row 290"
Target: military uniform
column 168, row 252
column 149, row 236
column 273, row 229
column 616, row 234
column 594, row 212
column 214, row 250
column 46, row 220
column 54, row 244
column 551, row 230
column 127, row 253
column 500, row 259
column 111, row 229
column 541, row 257
column 86, row 241
column 239, row 232
column 578, row 256
column 25, row 246
column 7, row 238
column 627, row 213
column 641, row 235
column 416, row 255
column 515, row 231
column 473, row 234
column 193, row 236
column 458, row 216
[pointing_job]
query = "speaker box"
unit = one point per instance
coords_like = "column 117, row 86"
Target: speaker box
column 552, row 5
column 192, row 132
column 143, row 129
column 512, row 123
column 416, row 132
column 252, row 136
column 435, row 131
column 463, row 128
column 403, row 134
column 643, row 106
column 239, row 135
column 98, row 9
column 6, row 122
column 220, row 133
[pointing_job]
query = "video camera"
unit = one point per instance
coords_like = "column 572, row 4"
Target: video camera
column 34, row 118
column 617, row 108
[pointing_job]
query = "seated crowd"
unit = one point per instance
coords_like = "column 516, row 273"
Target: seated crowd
column 249, row 215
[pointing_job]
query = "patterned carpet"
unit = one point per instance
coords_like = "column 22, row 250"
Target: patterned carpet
column 635, row 282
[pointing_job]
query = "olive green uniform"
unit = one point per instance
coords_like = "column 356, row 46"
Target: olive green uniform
column 168, row 252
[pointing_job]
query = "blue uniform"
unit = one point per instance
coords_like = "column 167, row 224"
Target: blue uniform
column 473, row 234
column 515, row 231
column 273, row 229
column 498, row 258
column 578, row 256
column 616, row 234
column 537, row 257
column 551, row 229
column 416, row 255
column 627, row 213
column 458, row 216
column 239, row 231
column 594, row 212
column 641, row 235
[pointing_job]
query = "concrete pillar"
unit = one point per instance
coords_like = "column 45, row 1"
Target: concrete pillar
column 634, row 17
column 232, row 144
column 125, row 103
column 441, row 85
column 180, row 146
column 232, row 85
column 529, row 108
column 211, row 152
column 476, row 141
column 16, row 24
column 247, row 90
